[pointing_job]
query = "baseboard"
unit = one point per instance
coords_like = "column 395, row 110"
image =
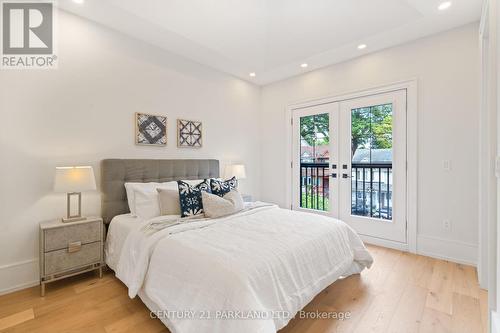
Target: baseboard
column 384, row 243
column 19, row 275
column 446, row 249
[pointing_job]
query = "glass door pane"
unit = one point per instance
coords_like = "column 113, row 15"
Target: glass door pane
column 314, row 161
column 371, row 161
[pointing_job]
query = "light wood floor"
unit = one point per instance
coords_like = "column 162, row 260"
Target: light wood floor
column 401, row 293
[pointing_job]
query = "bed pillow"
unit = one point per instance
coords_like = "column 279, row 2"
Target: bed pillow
column 150, row 189
column 130, row 188
column 169, row 201
column 190, row 197
column 221, row 187
column 215, row 206
column 146, row 203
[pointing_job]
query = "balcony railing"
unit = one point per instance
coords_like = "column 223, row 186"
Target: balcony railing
column 371, row 188
column 314, row 186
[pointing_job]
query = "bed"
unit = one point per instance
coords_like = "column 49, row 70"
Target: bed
column 248, row 272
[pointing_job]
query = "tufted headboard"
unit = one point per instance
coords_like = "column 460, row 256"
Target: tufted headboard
column 116, row 172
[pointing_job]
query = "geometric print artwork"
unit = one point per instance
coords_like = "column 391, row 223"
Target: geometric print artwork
column 150, row 129
column 189, row 133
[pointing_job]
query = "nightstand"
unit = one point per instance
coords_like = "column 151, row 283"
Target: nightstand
column 68, row 249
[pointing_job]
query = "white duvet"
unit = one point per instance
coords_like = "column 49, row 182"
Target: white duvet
column 248, row 273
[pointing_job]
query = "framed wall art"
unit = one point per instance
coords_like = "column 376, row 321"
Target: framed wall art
column 150, row 130
column 189, row 134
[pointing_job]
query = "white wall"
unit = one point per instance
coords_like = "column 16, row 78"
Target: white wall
column 491, row 95
column 84, row 111
column 494, row 103
column 447, row 69
column 487, row 152
column 487, row 271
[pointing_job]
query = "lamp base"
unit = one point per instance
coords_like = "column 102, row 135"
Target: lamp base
column 73, row 219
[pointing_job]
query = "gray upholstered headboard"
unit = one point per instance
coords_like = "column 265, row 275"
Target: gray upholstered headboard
column 116, row 172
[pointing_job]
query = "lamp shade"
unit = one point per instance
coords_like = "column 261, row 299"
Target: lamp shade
column 74, row 179
column 235, row 170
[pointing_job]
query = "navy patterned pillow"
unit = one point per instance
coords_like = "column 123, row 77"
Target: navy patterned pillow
column 190, row 197
column 220, row 187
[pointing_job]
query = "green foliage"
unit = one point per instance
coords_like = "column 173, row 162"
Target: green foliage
column 310, row 126
column 372, row 127
column 311, row 201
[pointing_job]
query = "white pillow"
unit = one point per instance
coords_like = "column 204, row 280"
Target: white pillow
column 215, row 206
column 130, row 188
column 146, row 203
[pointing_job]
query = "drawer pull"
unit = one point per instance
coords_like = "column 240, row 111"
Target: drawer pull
column 74, row 247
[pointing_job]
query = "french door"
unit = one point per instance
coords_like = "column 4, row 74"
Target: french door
column 349, row 162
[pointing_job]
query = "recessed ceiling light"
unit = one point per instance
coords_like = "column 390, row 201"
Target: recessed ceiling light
column 361, row 46
column 444, row 5
column 304, row 65
column 252, row 74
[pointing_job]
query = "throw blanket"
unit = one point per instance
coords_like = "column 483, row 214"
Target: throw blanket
column 138, row 247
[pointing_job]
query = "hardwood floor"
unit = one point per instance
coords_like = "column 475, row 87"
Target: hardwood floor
column 401, row 293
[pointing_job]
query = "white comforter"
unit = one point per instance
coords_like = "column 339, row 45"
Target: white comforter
column 250, row 272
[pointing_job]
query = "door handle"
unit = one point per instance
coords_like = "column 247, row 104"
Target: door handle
column 334, row 175
column 345, row 175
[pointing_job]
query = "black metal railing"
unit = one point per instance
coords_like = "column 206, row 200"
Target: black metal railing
column 371, row 190
column 314, row 186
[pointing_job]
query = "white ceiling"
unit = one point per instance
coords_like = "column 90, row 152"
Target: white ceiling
column 273, row 37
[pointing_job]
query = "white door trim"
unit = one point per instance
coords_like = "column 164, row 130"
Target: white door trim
column 411, row 87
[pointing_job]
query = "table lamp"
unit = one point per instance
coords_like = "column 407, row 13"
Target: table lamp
column 235, row 170
column 73, row 181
